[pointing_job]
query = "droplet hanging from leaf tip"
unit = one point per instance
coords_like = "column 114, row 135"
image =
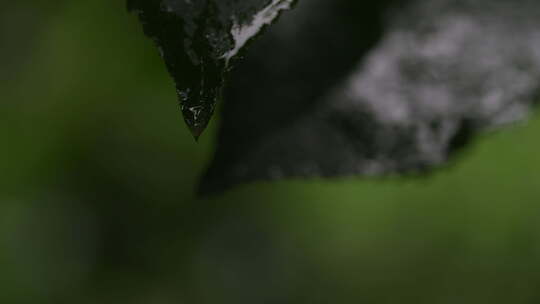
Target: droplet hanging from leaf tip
column 196, row 130
column 197, row 114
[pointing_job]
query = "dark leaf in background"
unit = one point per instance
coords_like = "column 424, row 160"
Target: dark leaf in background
column 346, row 88
column 198, row 40
column 328, row 92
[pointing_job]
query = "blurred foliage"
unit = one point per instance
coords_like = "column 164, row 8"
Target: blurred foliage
column 97, row 172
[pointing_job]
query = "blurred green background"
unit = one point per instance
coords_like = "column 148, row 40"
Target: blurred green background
column 97, row 172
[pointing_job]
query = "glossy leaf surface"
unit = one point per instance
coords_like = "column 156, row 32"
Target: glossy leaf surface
column 199, row 39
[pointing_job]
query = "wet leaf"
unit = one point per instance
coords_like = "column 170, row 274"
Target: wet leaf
column 199, row 40
column 359, row 89
column 343, row 87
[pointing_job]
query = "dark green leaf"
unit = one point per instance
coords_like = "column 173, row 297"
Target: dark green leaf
column 199, row 39
column 438, row 73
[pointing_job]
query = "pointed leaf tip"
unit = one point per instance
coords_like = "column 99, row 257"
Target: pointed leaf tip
column 199, row 39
